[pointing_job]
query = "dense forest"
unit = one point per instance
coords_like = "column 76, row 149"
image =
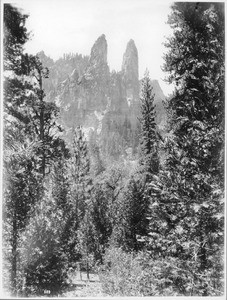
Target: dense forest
column 156, row 229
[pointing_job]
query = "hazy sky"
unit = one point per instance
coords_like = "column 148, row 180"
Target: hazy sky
column 63, row 26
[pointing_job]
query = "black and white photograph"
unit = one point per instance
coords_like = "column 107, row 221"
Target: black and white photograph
column 112, row 149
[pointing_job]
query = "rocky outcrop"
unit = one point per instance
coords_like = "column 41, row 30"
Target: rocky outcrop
column 130, row 71
column 105, row 103
column 95, row 80
column 99, row 52
column 161, row 116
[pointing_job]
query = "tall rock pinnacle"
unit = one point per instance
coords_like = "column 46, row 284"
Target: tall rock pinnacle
column 130, row 61
column 97, row 69
column 99, row 51
column 130, row 72
column 96, row 76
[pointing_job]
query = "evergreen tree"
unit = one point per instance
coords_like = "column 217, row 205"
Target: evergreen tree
column 21, row 185
column 100, row 220
column 31, row 136
column 47, row 257
column 132, row 217
column 15, row 36
column 136, row 197
column 22, row 189
column 149, row 145
column 105, row 209
column 81, row 185
column 186, row 216
column 61, row 193
column 42, row 115
column 43, row 257
column 80, row 167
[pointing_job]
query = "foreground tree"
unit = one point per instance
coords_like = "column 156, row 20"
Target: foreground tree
column 81, row 185
column 105, row 208
column 31, row 137
column 20, row 181
column 15, row 36
column 22, row 189
column 187, row 218
column 44, row 261
column 132, row 215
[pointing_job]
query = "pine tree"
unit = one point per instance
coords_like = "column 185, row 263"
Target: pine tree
column 186, row 216
column 42, row 124
column 80, row 167
column 81, row 185
column 136, row 199
column 31, row 136
column 149, row 145
column 15, row 36
column 43, row 257
column 22, row 189
column 132, row 219
column 21, row 185
column 105, row 209
column 62, row 194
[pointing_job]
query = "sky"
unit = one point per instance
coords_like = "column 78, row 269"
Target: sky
column 63, row 26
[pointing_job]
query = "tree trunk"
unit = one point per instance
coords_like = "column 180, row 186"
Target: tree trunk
column 87, row 247
column 14, row 256
column 43, row 162
column 203, row 255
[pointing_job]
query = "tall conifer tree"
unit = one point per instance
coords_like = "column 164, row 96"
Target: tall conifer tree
column 186, row 219
column 31, row 135
column 149, row 145
column 21, row 188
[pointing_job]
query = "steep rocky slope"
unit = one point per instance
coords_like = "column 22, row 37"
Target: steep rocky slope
column 105, row 103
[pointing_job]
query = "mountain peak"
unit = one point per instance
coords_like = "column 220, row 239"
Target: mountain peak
column 131, row 43
column 130, row 70
column 102, row 36
column 130, row 60
column 99, row 50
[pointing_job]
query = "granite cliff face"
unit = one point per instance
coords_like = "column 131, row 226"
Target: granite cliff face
column 105, row 103
column 130, row 71
column 99, row 52
column 93, row 85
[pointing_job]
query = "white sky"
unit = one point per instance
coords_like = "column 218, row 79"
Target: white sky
column 63, row 26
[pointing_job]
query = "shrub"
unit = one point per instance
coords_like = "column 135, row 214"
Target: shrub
column 137, row 274
column 120, row 273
